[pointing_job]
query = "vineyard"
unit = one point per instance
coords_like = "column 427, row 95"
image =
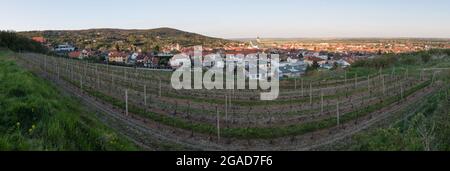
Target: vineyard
column 307, row 114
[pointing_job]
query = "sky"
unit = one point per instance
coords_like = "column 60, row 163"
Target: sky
column 238, row 18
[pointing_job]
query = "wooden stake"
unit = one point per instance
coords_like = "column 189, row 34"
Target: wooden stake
column 345, row 76
column 71, row 73
column 337, row 113
column 433, row 79
column 57, row 66
column 368, row 84
column 321, row 102
column 393, row 71
column 226, row 108
column 145, row 96
column 302, row 88
column 81, row 82
column 160, row 94
column 85, row 68
column 125, row 73
column 295, row 84
column 384, row 86
column 126, row 102
column 310, row 93
column 421, row 72
column 229, row 106
column 98, row 76
column 218, row 124
column 407, row 73
column 401, row 90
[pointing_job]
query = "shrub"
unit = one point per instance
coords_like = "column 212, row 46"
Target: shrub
column 18, row 43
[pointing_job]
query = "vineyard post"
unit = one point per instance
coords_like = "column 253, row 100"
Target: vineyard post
column 176, row 108
column 71, row 72
column 45, row 63
column 150, row 101
column 112, row 81
column 85, row 68
column 160, row 94
column 218, row 124
column 125, row 73
column 191, row 121
column 380, row 75
column 368, row 85
column 337, row 113
column 310, row 93
column 384, row 85
column 226, row 108
column 407, row 73
column 421, row 74
column 393, row 72
column 189, row 112
column 232, row 96
column 98, row 76
column 81, row 81
column 345, row 76
column 302, row 88
column 57, row 66
column 321, row 102
column 230, row 106
column 401, row 91
column 145, row 96
column 125, row 76
column 433, row 79
column 67, row 69
column 295, row 84
column 356, row 80
column 126, row 102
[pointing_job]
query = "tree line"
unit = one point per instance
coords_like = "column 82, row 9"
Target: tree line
column 413, row 58
column 18, row 43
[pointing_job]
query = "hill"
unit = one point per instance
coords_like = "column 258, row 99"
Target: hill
column 126, row 39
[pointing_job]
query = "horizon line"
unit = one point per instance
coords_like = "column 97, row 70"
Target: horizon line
column 241, row 38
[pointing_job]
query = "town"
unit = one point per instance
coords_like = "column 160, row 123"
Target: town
column 296, row 56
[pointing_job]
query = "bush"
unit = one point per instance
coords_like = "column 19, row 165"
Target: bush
column 378, row 62
column 426, row 57
column 18, row 43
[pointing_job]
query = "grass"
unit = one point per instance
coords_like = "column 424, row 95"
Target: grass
column 36, row 117
column 404, row 136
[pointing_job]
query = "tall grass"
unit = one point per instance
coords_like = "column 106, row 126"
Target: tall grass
column 35, row 116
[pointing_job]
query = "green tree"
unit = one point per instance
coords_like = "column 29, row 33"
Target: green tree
column 315, row 65
column 18, row 43
column 117, row 47
column 157, row 49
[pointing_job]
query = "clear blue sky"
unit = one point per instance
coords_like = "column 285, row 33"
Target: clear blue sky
column 238, row 18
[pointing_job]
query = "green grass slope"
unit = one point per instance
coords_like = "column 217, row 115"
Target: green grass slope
column 35, row 116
